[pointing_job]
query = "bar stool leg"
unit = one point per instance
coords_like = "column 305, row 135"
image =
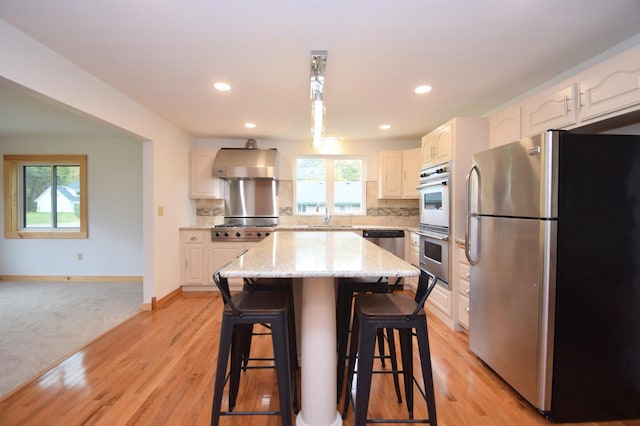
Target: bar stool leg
column 427, row 372
column 241, row 334
column 406, row 341
column 366, row 345
column 279, row 334
column 221, row 370
column 394, row 362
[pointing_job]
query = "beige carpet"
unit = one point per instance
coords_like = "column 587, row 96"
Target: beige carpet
column 43, row 323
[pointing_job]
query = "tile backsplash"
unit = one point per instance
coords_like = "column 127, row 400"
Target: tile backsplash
column 401, row 212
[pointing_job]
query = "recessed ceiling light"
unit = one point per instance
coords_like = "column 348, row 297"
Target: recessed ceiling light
column 250, row 125
column 422, row 89
column 385, row 126
column 221, row 86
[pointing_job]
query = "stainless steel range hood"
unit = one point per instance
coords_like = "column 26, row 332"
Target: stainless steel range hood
column 246, row 163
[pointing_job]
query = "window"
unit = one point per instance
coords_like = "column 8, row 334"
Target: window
column 337, row 181
column 45, row 196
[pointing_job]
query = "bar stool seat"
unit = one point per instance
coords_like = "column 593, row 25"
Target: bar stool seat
column 373, row 312
column 241, row 311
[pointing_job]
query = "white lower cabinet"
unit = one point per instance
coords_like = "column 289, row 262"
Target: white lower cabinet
column 221, row 253
column 464, row 281
column 193, row 258
column 200, row 258
column 413, row 257
column 440, row 297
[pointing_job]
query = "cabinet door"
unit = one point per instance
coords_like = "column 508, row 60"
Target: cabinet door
column 390, row 174
column 443, row 143
column 202, row 184
column 611, row 87
column 555, row 109
column 441, row 299
column 504, row 127
column 464, row 277
column 192, row 257
column 193, row 264
column 427, row 150
column 411, row 163
column 221, row 253
column 437, row 145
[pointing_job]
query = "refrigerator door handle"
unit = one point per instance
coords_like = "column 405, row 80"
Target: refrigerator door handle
column 467, row 246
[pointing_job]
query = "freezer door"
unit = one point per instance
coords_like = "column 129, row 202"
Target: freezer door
column 506, row 303
column 517, row 179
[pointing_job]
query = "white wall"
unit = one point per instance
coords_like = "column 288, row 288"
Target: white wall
column 288, row 150
column 114, row 180
column 165, row 156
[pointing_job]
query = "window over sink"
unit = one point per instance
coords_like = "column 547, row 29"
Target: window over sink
column 338, row 181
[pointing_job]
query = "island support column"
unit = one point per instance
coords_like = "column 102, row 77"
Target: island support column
column 318, row 354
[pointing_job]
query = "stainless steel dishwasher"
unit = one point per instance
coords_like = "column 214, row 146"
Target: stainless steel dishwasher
column 389, row 239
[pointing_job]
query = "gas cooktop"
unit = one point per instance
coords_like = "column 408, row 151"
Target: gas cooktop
column 243, row 232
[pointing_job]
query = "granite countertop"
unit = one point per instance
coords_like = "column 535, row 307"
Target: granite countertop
column 317, row 254
column 314, row 227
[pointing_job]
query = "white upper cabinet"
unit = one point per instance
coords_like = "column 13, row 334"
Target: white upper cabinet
column 553, row 109
column 398, row 173
column 608, row 89
column 202, row 184
column 411, row 163
column 504, row 126
column 611, row 88
column 390, row 174
column 436, row 146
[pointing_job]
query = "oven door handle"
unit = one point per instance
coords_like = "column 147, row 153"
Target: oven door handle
column 443, row 182
column 442, row 238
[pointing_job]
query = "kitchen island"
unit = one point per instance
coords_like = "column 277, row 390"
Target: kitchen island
column 317, row 257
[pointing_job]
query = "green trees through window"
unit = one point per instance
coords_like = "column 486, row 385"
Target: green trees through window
column 45, row 196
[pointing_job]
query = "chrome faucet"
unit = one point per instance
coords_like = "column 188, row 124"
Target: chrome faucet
column 327, row 213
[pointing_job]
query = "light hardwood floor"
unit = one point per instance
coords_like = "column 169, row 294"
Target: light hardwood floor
column 157, row 369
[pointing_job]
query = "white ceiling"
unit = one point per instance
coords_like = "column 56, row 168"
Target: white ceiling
column 477, row 55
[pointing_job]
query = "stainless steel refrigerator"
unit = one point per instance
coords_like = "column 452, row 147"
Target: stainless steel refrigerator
column 553, row 237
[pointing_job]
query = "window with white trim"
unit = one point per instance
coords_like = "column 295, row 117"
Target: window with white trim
column 338, row 181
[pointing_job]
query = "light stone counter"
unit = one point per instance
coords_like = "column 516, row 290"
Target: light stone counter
column 302, row 254
column 317, row 258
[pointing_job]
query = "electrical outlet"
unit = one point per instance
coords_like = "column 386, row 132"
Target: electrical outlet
column 160, row 211
column 80, row 256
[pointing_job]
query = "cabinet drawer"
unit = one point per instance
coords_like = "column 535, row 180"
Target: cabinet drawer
column 464, row 271
column 463, row 287
column 193, row 236
column 441, row 299
column 463, row 311
column 462, row 258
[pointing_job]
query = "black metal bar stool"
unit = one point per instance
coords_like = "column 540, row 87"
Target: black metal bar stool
column 240, row 313
column 347, row 289
column 373, row 312
column 268, row 284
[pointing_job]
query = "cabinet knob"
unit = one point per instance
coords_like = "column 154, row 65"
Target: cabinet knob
column 466, row 290
column 193, row 238
column 467, row 275
column 466, row 309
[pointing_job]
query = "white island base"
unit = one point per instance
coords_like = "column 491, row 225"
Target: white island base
column 318, row 332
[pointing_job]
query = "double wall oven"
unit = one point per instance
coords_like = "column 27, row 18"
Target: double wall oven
column 434, row 220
